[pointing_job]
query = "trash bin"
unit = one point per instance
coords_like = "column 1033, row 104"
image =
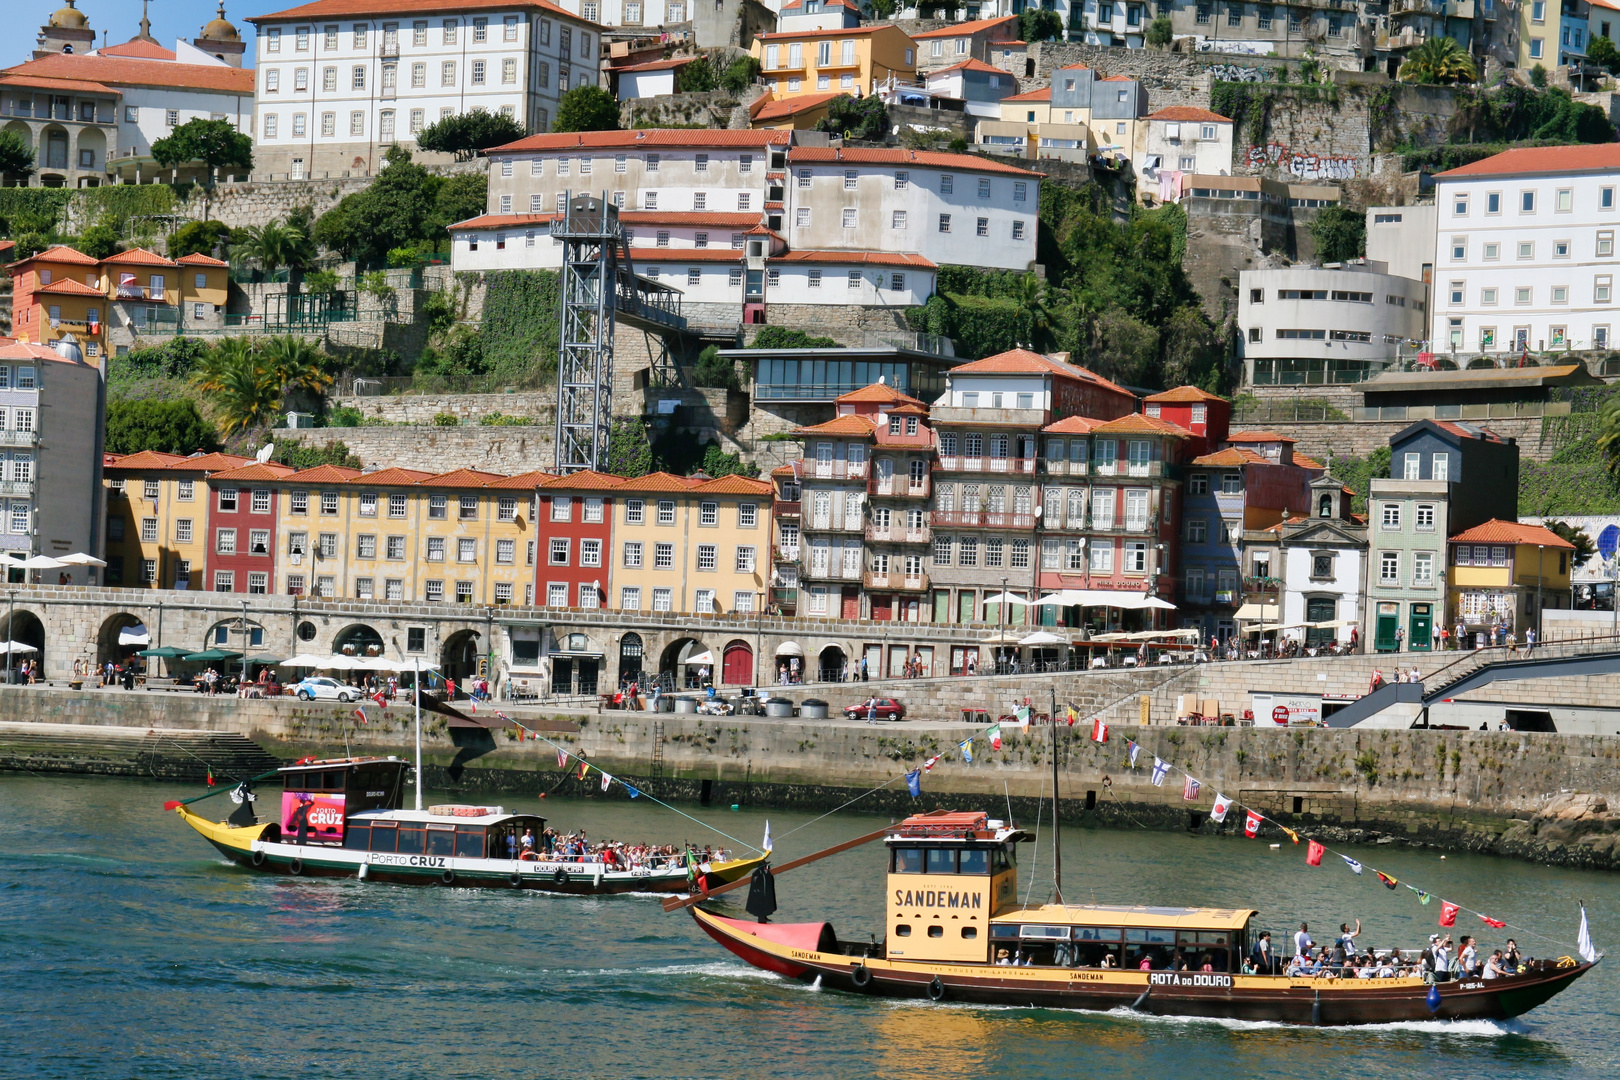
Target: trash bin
column 686, row 705
column 778, row 706
column 812, row 709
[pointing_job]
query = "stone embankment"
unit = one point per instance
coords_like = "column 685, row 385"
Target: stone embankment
column 1507, row 793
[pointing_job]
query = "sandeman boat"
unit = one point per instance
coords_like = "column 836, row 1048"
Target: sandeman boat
column 954, row 932
column 343, row 818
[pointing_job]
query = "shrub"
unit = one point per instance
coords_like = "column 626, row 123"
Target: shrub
column 500, row 419
column 344, row 416
column 715, row 371
column 445, row 419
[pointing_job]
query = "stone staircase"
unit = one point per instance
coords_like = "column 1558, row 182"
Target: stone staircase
column 156, row 753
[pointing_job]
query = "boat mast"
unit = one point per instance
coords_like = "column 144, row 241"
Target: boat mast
column 1057, row 854
column 416, row 694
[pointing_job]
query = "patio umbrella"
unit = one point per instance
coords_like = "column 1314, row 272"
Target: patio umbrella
column 1006, row 637
column 308, row 660
column 1042, row 637
column 79, row 558
column 374, row 663
column 208, row 656
column 167, row 652
column 704, row 657
column 134, row 635
column 267, row 661
column 16, row 647
column 40, row 562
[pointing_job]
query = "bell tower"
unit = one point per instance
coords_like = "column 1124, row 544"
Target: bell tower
column 221, row 40
column 67, row 31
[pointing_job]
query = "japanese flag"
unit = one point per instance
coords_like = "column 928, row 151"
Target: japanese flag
column 1099, row 730
column 606, row 781
column 1222, row 805
column 1251, row 824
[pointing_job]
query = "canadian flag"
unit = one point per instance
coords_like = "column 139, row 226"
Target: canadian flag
column 1222, row 805
column 1099, row 730
column 1251, row 824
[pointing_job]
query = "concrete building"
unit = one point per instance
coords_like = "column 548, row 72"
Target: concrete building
column 1119, row 25
column 851, row 61
column 1264, row 29
column 974, row 39
column 796, row 15
column 340, row 81
column 655, row 78
column 1180, row 139
column 1525, row 252
column 978, row 85
column 1328, row 324
column 1402, row 238
column 1504, row 574
column 1324, row 565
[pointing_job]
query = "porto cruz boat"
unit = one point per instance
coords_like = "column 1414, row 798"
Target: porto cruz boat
column 955, row 932
column 343, row 818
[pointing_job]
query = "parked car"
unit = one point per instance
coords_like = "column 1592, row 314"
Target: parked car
column 885, row 708
column 322, row 688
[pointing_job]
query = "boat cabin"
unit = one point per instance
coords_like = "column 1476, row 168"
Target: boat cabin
column 1119, row 936
column 455, row 830
column 948, row 875
column 317, row 797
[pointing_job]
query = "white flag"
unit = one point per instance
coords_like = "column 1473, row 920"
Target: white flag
column 1222, row 805
column 1583, row 941
column 767, row 844
column 1160, row 768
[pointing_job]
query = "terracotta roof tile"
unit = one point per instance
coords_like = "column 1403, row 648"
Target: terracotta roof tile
column 142, row 50
column 138, row 257
column 900, row 156
column 393, row 477
column 1179, row 394
column 211, row 462
column 69, row 287
column 1467, row 432
column 40, row 82
column 522, row 481
column 24, row 350
column 1231, row 457
column 648, row 138
column 881, row 393
column 116, row 70
column 258, row 470
column 146, row 459
column 910, row 408
column 963, row 29
column 325, row 474
column 199, row 259
column 733, row 485
column 790, row 106
column 462, row 478
column 61, row 253
column 969, row 64
column 807, row 35
column 660, row 481
column 1591, row 157
column 1025, row 362
column 1257, row 436
column 1497, row 531
column 660, row 256
column 1308, row 462
column 1073, row 425
column 1043, row 94
column 657, row 65
column 840, row 425
column 1188, row 114
column 504, row 221
column 1142, row 424
column 858, row 258
column 784, row 470
column 585, row 480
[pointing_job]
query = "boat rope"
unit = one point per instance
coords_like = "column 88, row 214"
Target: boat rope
column 887, row 783
column 1035, row 859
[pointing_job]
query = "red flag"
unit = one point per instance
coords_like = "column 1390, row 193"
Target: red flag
column 1099, row 730
column 1251, row 825
column 210, row 777
column 1389, row 882
column 1448, row 913
column 1497, row 924
column 1313, row 853
column 360, row 711
column 380, row 698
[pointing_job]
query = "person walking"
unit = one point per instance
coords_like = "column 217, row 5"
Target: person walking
column 865, row 674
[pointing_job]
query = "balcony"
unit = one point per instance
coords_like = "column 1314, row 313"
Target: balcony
column 158, row 293
column 21, row 438
column 901, row 487
column 831, row 573
column 833, row 470
column 92, row 329
column 787, row 554
column 1003, row 465
column 896, row 582
column 850, row 523
column 22, row 488
column 786, row 508
column 899, row 534
column 389, row 50
column 1054, row 467
column 1024, row 418
column 785, row 597
column 983, row 519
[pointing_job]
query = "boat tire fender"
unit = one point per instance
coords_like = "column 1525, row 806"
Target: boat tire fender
column 257, row 858
column 448, row 877
column 516, row 880
column 296, row 867
column 860, row 975
column 936, row 990
column 560, row 877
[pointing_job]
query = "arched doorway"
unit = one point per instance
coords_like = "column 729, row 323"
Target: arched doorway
column 358, row 640
column 674, row 671
column 632, row 651
column 459, row 659
column 109, row 647
column 737, row 666
column 833, row 662
column 789, row 665
column 24, row 628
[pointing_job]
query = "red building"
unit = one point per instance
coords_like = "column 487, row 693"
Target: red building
column 575, row 539
column 1207, row 416
column 241, row 533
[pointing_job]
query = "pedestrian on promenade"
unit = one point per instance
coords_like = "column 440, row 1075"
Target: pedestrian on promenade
column 1530, row 640
column 865, row 676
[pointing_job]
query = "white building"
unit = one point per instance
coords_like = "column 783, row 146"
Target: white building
column 1402, row 237
column 340, row 81
column 1324, row 565
column 1107, row 22
column 655, row 78
column 798, row 15
column 1307, row 324
column 1524, row 255
column 1180, row 139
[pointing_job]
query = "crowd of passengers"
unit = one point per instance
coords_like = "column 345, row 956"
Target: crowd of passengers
column 616, row 855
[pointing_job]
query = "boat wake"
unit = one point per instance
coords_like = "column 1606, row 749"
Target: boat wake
column 1490, row 1029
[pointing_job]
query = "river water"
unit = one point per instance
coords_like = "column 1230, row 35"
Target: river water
column 130, row 949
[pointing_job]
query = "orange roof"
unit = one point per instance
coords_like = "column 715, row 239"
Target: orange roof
column 657, row 65
column 733, row 485
column 969, row 64
column 1118, row 78
column 684, row 255
column 40, row 82
column 60, row 253
column 898, row 156
column 1073, row 425
column 1467, row 432
column 1142, row 424
column 784, row 470
column 368, row 8
column 1025, row 362
column 840, row 425
column 1043, row 94
column 824, row 3
column 584, row 480
column 69, row 287
column 146, row 459
column 803, row 35
column 1232, row 457
column 326, row 474
column 1186, row 114
column 1592, row 157
column 1309, row 463
column 392, row 477
column 909, row 408
column 790, row 106
column 462, row 478
column 880, row 393
column 858, row 258
column 963, row 28
column 142, row 50
column 258, row 470
column 646, row 138
column 199, row 259
column 138, row 257
column 212, row 462
column 510, row 221
column 660, row 481
column 115, row 70
column 1497, row 531
column 522, row 481
column 1178, row 394
column 1257, row 436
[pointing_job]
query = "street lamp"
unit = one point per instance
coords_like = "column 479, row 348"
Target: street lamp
column 244, row 641
column 1540, row 549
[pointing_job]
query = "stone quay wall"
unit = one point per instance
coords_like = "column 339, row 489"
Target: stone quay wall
column 508, row 450
column 539, row 405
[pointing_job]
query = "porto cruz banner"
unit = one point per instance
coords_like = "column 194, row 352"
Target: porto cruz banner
column 322, row 810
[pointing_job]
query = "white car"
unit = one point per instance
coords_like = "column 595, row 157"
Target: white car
column 321, row 688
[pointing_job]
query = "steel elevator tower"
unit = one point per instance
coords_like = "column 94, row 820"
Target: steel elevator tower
column 593, row 260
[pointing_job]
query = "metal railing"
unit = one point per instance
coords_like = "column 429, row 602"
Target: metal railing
column 894, row 579
column 833, row 470
column 984, row 519
column 899, row 534
column 898, row 487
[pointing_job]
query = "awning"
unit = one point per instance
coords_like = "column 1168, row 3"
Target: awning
column 79, row 558
column 704, row 657
column 1114, row 598
column 1041, row 637
column 134, row 635
column 1257, row 613
column 790, row 648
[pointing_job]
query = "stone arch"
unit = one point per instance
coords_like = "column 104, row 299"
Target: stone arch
column 54, row 150
column 360, row 640
column 95, row 141
column 26, row 628
column 632, row 658
column 458, row 658
column 830, row 663
column 672, row 661
column 227, row 634
column 736, row 664
column 107, row 646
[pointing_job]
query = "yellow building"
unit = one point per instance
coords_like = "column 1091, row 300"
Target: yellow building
column 205, row 281
column 1504, row 573
column 377, row 538
column 691, row 546
column 312, row 532
column 846, row 61
column 158, row 518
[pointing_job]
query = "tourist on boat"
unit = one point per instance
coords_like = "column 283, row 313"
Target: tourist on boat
column 1261, row 956
column 1493, row 966
column 1442, row 960
column 528, row 838
column 1002, row 959
column 1467, row 958
column 1302, row 940
column 1348, row 936
column 1511, row 960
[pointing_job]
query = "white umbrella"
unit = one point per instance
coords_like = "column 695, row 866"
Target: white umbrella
column 1005, row 637
column 1042, row 637
column 79, row 558
column 134, row 635
column 1006, row 598
column 339, row 662
column 374, row 663
column 704, row 657
column 308, row 660
column 40, row 562
column 16, row 647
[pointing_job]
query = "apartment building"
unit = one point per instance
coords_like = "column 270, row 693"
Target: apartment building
column 340, row 81
column 1180, row 139
column 1504, row 574
column 691, row 544
column 853, row 60
column 1445, row 478
column 978, row 85
column 157, row 509
column 1331, row 28
column 1080, row 114
column 1121, row 25
column 974, row 39
column 1323, row 565
column 1327, row 324
column 1402, row 238
column 818, row 15
column 242, row 516
column 1525, row 251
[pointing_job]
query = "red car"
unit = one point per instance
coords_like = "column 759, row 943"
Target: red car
column 883, row 708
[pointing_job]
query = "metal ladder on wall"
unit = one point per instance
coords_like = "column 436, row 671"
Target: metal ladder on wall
column 657, row 770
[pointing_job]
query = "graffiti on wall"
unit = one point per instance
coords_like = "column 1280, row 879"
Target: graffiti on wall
column 1302, row 166
column 1236, row 73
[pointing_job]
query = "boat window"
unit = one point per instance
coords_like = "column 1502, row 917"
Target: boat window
column 1097, row 933
column 908, row 861
column 941, row 860
column 902, row 930
column 1005, row 859
column 1152, row 937
column 357, row 837
column 1204, row 937
column 975, row 862
column 1045, row 932
column 383, row 837
column 470, row 842
column 410, row 841
column 1004, row 930
column 441, row 841
column 936, row 930
column 970, row 931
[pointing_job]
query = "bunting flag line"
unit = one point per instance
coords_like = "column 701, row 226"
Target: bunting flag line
column 360, row 711
column 1160, row 770
column 1135, row 749
column 1292, row 835
column 1314, row 853
column 1189, row 788
column 1073, row 716
column 1218, row 811
column 914, row 782
column 1022, row 714
column 562, row 759
column 472, row 705
column 210, row 776
column 1494, row 924
column 966, row 746
column 633, row 792
column 928, row 766
column 584, row 767
column 1448, row 913
column 380, row 698
column 606, row 781
column 1251, row 825
column 994, row 735
column 1099, row 730
column 1355, row 867
column 1389, row 882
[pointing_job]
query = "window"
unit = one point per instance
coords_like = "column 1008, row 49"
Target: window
column 662, row 599
column 1391, row 516
column 898, row 221
column 709, row 513
column 224, row 580
column 745, row 559
column 630, row 598
column 983, row 226
column 225, row 541
column 707, row 556
column 394, row 547
column 634, row 511
column 435, row 549
column 849, row 217
column 1423, row 517
column 666, row 511
column 1389, row 568
column 559, row 551
column 590, row 553
column 1527, row 199
column 1018, row 230
column 1459, row 249
column 632, row 554
column 1423, row 568
column 663, row 556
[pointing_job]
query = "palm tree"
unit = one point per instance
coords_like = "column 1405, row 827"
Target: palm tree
column 1034, row 300
column 295, row 364
column 1438, row 61
column 274, row 245
column 241, row 388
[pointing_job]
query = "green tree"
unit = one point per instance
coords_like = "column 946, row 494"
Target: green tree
column 715, row 371
column 1123, row 348
column 215, row 144
column 629, row 447
column 30, row 244
column 1039, row 24
column 392, row 213
column 99, row 241
column 741, row 73
column 456, row 361
column 1159, row 33
column 16, row 157
column 295, row 364
column 1439, row 61
column 465, row 134
column 307, row 456
column 274, row 245
column 857, row 118
column 1601, row 51
column 780, row 337
column 587, row 108
column 695, row 78
column 1538, row 77
column 1584, row 548
column 883, row 9
column 239, row 387
column 200, row 238
column 1034, row 300
column 170, row 427
column 717, row 463
column 1340, row 233
column 457, row 199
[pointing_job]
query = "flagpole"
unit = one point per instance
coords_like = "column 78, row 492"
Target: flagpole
column 1057, row 855
column 416, row 695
